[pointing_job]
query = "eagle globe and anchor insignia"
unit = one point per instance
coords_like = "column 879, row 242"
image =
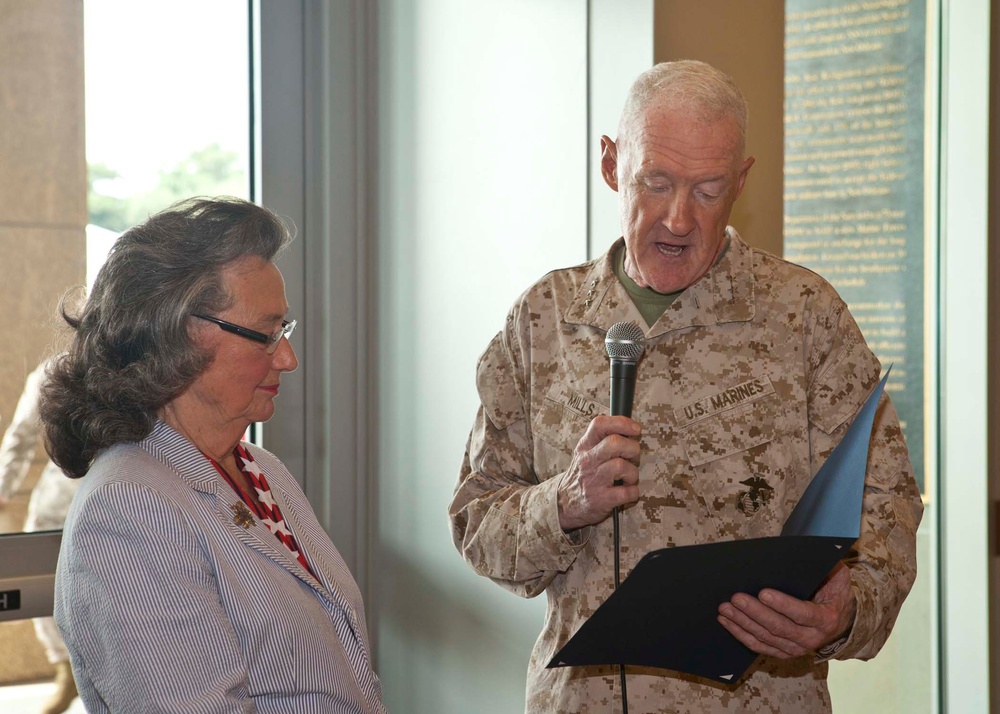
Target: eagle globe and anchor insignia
column 759, row 495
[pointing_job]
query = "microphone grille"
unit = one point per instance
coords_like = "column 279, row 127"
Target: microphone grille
column 625, row 341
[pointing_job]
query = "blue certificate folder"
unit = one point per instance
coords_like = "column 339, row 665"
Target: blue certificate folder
column 664, row 614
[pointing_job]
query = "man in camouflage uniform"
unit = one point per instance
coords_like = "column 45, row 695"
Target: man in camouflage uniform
column 752, row 373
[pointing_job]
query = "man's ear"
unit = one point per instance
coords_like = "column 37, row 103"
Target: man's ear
column 609, row 162
column 744, row 170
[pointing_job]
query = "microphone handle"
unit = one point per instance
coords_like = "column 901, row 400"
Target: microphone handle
column 622, row 387
column 622, row 395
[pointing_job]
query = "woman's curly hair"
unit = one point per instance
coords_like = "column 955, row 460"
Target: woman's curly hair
column 131, row 353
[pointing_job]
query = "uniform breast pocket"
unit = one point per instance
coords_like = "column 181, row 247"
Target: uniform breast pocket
column 730, row 432
column 557, row 428
column 740, row 468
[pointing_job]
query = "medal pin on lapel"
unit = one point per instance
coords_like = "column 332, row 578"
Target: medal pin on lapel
column 243, row 516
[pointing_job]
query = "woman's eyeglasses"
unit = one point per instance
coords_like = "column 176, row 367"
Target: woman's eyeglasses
column 271, row 341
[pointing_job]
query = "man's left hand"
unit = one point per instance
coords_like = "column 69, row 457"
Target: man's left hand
column 782, row 626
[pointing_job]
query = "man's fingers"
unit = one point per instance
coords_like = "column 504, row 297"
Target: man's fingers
column 757, row 618
column 602, row 475
column 762, row 642
column 780, row 621
column 797, row 612
column 615, row 446
column 628, row 494
column 604, row 426
column 762, row 629
column 617, row 471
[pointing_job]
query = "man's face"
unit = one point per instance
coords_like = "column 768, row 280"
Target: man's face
column 677, row 180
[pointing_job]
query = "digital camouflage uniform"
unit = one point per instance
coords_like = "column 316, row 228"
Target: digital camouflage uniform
column 748, row 381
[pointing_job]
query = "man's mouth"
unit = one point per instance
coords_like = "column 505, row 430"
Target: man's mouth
column 670, row 250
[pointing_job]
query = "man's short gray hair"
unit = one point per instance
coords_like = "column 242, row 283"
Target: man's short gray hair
column 698, row 88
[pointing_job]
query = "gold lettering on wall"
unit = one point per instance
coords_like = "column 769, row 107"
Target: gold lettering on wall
column 854, row 173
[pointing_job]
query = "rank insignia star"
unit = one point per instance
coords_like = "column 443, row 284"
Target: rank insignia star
column 243, row 516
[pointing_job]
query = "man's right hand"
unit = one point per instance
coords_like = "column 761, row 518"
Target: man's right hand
column 606, row 453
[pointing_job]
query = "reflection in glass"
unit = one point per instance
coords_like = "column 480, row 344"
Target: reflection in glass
column 51, row 491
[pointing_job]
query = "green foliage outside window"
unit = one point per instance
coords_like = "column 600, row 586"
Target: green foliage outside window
column 210, row 171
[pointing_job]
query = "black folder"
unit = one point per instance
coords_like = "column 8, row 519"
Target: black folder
column 664, row 613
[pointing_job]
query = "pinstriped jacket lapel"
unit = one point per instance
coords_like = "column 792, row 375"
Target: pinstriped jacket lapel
column 181, row 456
column 257, row 536
column 329, row 572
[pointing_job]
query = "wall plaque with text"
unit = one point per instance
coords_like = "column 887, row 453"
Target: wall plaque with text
column 854, row 175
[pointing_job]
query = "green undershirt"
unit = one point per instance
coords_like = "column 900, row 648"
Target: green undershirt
column 650, row 304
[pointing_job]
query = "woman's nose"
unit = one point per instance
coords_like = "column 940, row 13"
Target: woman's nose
column 284, row 358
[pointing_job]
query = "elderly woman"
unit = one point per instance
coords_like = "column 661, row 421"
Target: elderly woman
column 194, row 575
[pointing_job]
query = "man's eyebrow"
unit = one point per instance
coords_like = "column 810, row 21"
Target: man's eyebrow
column 658, row 174
column 714, row 177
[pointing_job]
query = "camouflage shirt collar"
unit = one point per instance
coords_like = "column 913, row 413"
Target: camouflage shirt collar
column 601, row 299
column 724, row 294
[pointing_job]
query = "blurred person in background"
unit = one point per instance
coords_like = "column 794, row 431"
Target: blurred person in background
column 47, row 507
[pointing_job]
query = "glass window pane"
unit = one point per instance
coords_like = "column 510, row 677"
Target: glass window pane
column 860, row 156
column 120, row 109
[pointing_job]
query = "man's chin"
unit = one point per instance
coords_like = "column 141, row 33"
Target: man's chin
column 668, row 284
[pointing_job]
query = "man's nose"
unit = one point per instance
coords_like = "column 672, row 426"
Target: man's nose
column 678, row 215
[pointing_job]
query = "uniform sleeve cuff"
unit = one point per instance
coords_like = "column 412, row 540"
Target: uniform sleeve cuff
column 848, row 642
column 543, row 541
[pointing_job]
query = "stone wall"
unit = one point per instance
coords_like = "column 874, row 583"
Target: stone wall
column 43, row 214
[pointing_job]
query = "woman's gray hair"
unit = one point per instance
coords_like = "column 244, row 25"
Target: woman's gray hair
column 694, row 87
column 132, row 352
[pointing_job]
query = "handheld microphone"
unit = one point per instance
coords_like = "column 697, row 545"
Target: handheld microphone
column 625, row 344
